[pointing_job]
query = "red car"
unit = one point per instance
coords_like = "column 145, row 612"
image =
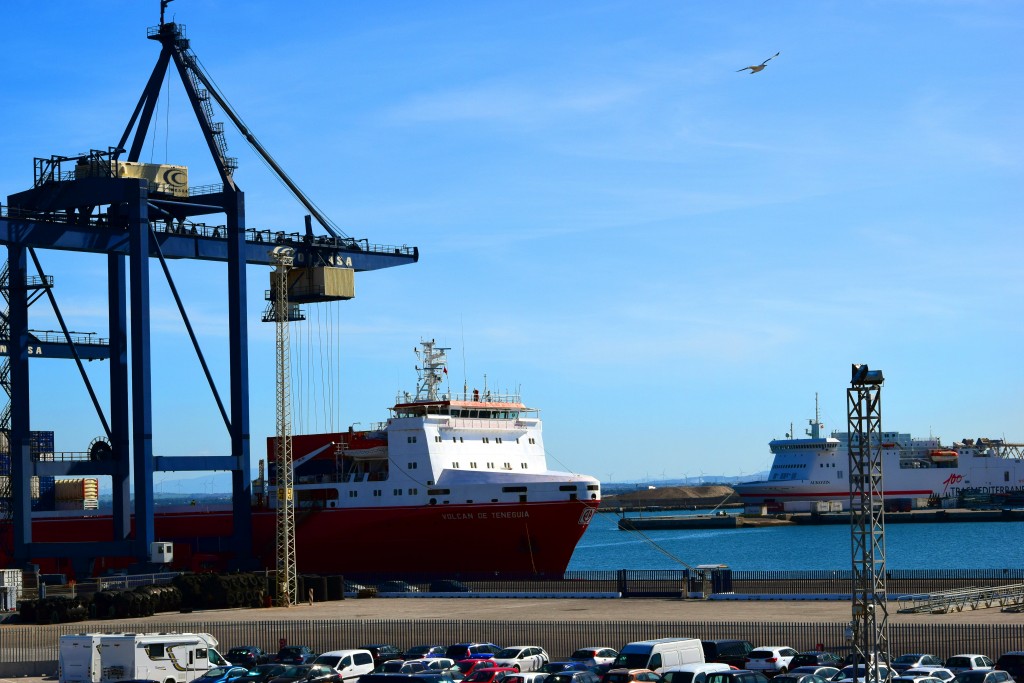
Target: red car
column 468, row 666
column 490, row 674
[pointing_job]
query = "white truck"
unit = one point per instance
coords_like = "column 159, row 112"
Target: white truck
column 163, row 657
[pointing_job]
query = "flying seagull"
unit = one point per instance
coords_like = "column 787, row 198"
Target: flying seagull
column 759, row 67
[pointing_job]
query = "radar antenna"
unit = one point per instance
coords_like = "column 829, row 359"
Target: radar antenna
column 434, row 361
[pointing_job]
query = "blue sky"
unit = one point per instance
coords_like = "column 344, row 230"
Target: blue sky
column 668, row 257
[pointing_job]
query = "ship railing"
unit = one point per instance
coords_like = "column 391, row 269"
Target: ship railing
column 942, row 602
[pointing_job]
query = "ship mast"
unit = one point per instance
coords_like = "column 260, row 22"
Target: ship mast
column 434, row 360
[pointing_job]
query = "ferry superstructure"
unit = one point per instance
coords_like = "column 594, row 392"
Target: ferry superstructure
column 817, row 467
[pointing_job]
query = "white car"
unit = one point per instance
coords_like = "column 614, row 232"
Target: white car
column 856, row 674
column 916, row 679
column 522, row 657
column 526, row 677
column 772, row 659
column 594, row 656
column 959, row 663
column 939, row 672
column 691, row 673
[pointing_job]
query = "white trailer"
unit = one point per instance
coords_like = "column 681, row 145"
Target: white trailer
column 78, row 658
column 164, row 657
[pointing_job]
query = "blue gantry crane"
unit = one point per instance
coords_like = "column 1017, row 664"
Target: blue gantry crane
column 106, row 202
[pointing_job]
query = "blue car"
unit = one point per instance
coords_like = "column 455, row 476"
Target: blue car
column 222, row 674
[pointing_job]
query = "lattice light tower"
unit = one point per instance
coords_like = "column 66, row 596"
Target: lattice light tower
column 287, row 581
column 869, row 629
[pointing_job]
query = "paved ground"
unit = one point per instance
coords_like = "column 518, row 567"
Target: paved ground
column 580, row 609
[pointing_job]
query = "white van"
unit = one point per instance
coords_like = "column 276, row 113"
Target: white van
column 660, row 654
column 351, row 664
column 691, row 673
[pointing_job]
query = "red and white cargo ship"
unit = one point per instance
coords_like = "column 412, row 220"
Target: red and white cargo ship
column 412, row 495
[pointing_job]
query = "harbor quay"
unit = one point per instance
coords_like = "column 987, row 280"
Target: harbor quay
column 29, row 653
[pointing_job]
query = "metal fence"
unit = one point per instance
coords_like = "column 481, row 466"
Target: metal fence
column 33, row 649
column 672, row 582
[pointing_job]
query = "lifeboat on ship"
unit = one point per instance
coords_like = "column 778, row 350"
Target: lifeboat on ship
column 942, row 456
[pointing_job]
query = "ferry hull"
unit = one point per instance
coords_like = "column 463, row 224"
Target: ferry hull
column 516, row 539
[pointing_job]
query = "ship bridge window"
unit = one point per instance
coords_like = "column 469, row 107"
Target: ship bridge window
column 593, row 487
column 568, row 487
column 513, row 489
column 438, row 492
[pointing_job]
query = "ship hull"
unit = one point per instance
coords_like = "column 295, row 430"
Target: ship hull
column 516, row 539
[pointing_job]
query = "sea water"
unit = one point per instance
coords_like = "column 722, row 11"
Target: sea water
column 941, row 545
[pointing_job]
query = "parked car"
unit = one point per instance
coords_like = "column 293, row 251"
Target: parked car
column 855, row 673
column 727, row 651
column 448, row 586
column 247, row 656
column 912, row 661
column 261, row 673
column 442, row 665
column 350, row 664
column 797, row 678
column 772, row 659
column 522, row 657
column 557, row 667
column 816, row 658
column 1013, row 664
column 422, row 651
column 736, row 676
column 529, row 677
column 396, row 586
column 691, row 673
column 983, row 676
column 468, row 666
column 295, row 654
column 629, row 675
column 959, row 663
column 489, row 674
column 594, row 656
column 382, row 653
column 940, row 672
column 572, row 676
column 400, row 666
column 826, row 672
column 308, row 673
column 471, row 651
column 224, row 674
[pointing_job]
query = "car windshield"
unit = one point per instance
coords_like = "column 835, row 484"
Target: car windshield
column 959, row 662
column 582, row 654
column 265, row 670
column 631, row 661
column 418, row 650
column 761, row 654
column 217, row 671
column 480, row 675
column 294, row 672
column 849, row 672
column 971, row 677
column 328, row 660
column 508, row 653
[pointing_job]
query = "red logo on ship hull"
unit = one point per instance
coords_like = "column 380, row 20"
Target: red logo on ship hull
column 586, row 516
column 951, row 480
